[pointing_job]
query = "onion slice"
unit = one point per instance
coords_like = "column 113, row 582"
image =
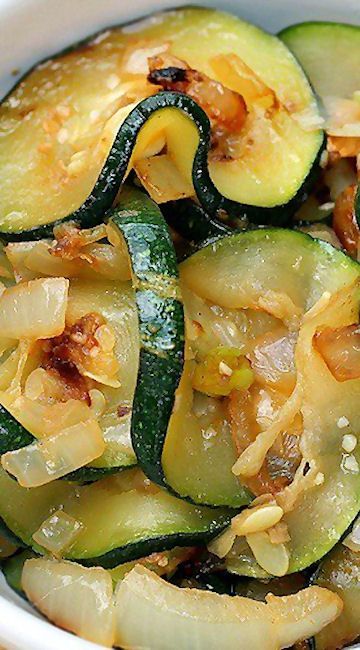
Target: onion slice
column 73, row 597
column 151, row 613
column 34, row 309
column 55, row 456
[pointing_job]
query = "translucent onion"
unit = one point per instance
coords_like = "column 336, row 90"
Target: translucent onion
column 57, row 533
column 55, row 456
column 34, row 309
column 162, row 179
column 73, row 597
column 44, row 420
column 340, row 349
column 273, row 360
column 151, row 613
column 342, row 116
column 273, row 558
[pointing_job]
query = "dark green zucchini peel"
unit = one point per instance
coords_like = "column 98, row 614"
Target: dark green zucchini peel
column 161, row 324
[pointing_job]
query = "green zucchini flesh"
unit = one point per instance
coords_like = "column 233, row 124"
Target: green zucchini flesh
column 329, row 54
column 161, row 322
column 124, row 517
column 234, row 275
column 75, row 130
column 340, row 572
column 200, row 475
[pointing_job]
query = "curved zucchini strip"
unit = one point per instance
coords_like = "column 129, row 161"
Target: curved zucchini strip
column 161, row 324
column 82, row 155
column 340, row 572
column 289, row 268
column 123, row 517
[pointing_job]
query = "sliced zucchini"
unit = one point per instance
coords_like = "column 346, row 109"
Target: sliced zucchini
column 123, row 517
column 161, row 323
column 329, row 54
column 310, row 286
column 76, row 130
column 340, row 572
column 198, row 472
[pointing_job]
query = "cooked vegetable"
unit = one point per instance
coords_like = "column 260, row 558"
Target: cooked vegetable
column 161, row 324
column 55, row 456
column 12, row 434
column 34, row 310
column 74, row 598
column 340, row 572
column 123, row 517
column 151, row 613
column 329, row 54
column 85, row 130
column 191, row 222
column 220, row 356
column 7, row 548
column 87, row 372
column 309, row 286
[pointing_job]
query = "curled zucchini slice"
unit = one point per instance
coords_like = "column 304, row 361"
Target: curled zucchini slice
column 77, row 131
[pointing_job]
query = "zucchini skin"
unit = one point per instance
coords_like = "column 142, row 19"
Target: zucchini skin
column 190, row 221
column 161, row 325
column 12, row 434
column 111, row 177
column 142, row 548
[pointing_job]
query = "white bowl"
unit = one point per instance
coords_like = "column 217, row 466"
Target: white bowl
column 33, row 29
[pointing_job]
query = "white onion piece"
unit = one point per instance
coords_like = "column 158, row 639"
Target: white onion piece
column 58, row 532
column 73, row 597
column 153, row 614
column 55, row 456
column 34, row 309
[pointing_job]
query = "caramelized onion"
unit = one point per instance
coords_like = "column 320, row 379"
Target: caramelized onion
column 345, row 222
column 340, row 349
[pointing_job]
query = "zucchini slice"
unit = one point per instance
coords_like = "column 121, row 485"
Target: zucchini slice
column 340, row 572
column 76, row 130
column 308, row 287
column 199, row 475
column 123, row 517
column 161, row 323
column 329, row 54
